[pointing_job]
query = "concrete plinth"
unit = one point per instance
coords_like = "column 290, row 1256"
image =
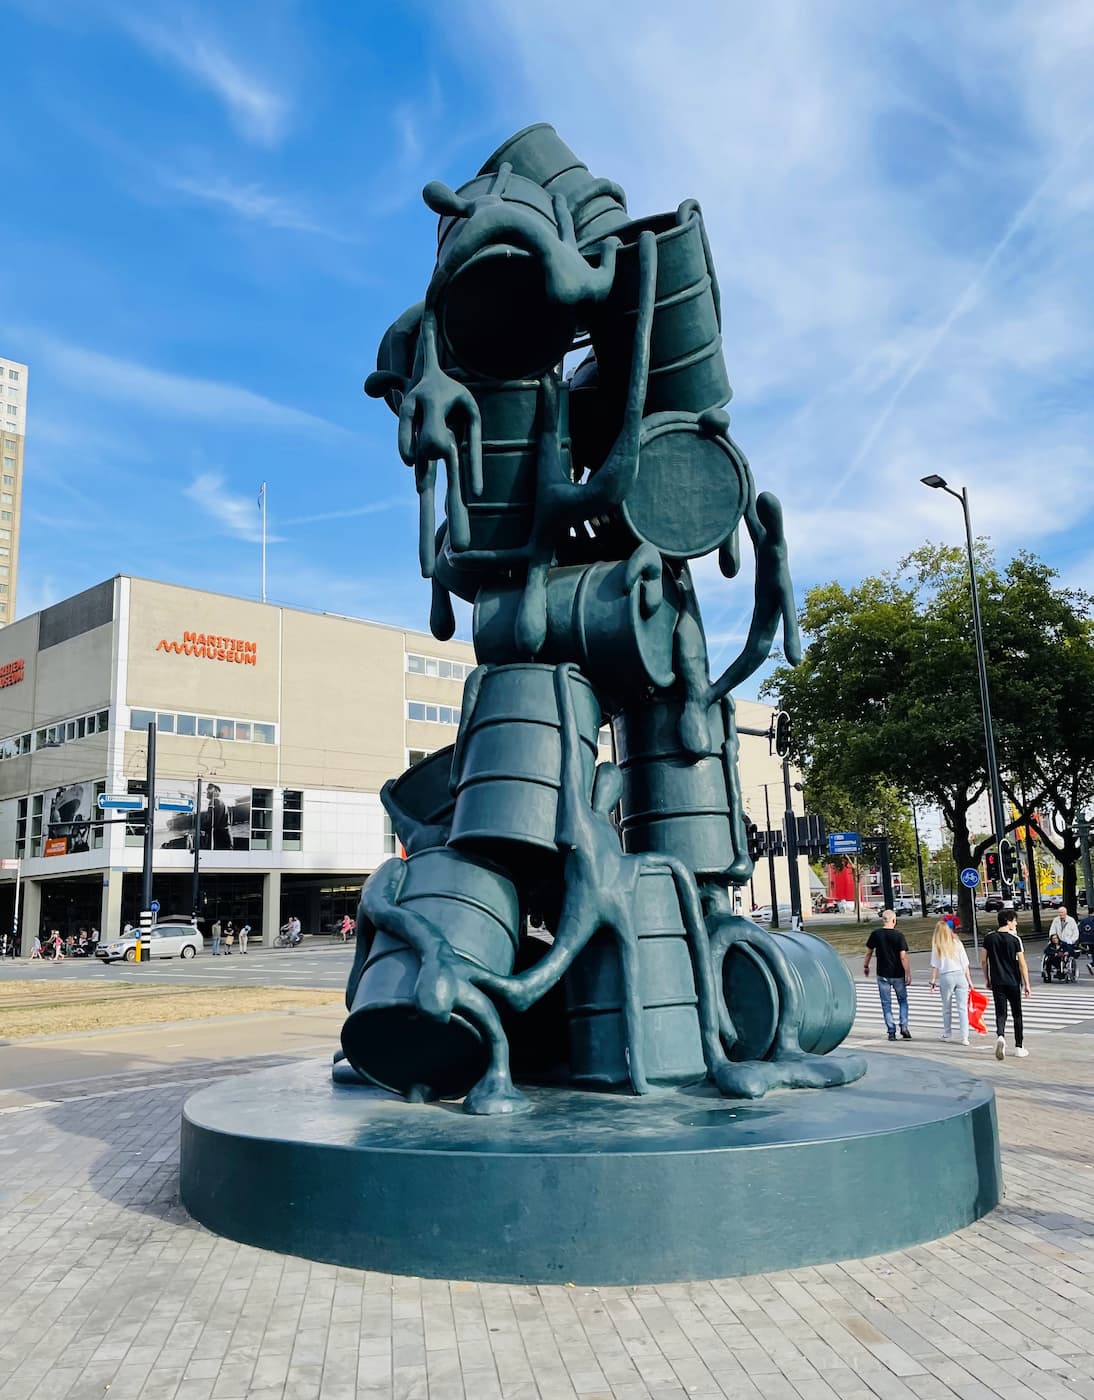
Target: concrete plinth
column 591, row 1188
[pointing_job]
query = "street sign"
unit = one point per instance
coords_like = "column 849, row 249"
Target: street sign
column 175, row 804
column 120, row 802
column 155, row 906
column 844, row 843
column 9, row 865
column 970, row 878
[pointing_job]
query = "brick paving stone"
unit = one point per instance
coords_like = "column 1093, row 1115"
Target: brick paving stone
column 113, row 1293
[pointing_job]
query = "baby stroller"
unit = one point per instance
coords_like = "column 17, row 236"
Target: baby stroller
column 1060, row 961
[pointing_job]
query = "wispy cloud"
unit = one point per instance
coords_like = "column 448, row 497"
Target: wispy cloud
column 405, row 502
column 174, row 395
column 234, row 515
column 259, row 111
column 249, row 201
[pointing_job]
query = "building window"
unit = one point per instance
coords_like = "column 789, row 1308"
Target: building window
column 141, row 719
column 9, row 465
column 205, row 727
column 165, row 724
column 7, row 498
column 97, row 816
column 243, row 732
column 292, row 821
column 134, row 825
column 226, row 728
column 5, row 515
column 13, row 375
column 261, row 819
column 432, row 714
column 21, row 828
column 36, row 826
column 104, row 721
column 437, row 666
column 416, row 755
column 391, row 841
column 186, row 725
column 263, row 733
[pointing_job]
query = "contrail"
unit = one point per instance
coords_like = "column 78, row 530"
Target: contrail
column 959, row 307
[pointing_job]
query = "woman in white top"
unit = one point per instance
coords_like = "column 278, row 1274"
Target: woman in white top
column 950, row 971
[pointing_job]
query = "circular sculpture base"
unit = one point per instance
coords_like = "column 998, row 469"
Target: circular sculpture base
column 591, row 1188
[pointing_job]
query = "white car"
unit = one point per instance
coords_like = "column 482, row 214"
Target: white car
column 162, row 941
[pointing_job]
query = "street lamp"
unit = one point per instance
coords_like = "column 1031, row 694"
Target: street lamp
column 938, row 483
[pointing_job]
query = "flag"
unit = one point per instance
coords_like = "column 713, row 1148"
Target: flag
column 261, row 495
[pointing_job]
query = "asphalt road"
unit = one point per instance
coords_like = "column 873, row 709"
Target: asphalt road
column 322, row 964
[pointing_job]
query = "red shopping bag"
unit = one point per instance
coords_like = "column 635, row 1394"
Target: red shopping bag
column 978, row 1004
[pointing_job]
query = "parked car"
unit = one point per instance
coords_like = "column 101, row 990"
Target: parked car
column 901, row 906
column 168, row 940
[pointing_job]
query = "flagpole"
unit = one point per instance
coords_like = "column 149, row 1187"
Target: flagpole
column 263, row 493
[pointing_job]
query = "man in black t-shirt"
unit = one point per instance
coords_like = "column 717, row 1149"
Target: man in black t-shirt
column 1003, row 961
column 894, row 971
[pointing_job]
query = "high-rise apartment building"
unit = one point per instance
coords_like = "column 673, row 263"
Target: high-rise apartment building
column 13, row 430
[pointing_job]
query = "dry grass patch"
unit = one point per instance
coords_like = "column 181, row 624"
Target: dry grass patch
column 37, row 1008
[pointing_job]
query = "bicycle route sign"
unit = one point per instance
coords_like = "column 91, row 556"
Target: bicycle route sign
column 970, row 878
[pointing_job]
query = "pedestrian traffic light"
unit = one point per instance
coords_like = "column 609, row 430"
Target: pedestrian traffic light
column 782, row 733
column 991, row 865
column 1006, row 860
column 755, row 841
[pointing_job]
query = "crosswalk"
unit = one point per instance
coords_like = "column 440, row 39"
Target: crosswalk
column 1055, row 1006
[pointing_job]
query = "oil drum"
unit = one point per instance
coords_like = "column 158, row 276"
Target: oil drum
column 385, row 1036
column 687, row 366
column 509, row 760
column 672, row 1048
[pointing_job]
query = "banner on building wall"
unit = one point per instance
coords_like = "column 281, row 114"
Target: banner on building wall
column 225, row 819
column 67, row 812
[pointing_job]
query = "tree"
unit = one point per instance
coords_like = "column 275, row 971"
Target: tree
column 1040, row 640
column 888, row 689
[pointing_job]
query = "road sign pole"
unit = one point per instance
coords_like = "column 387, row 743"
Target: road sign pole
column 771, row 863
column 15, row 915
column 149, row 818
column 195, row 884
column 792, row 850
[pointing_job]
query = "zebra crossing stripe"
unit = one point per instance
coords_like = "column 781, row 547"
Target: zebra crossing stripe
column 1051, row 1007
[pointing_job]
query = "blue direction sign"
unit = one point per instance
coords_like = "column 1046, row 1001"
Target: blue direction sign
column 175, row 804
column 120, row 802
column 155, row 906
column 844, row 843
column 970, row 878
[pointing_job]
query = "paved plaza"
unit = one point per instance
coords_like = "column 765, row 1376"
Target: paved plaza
column 110, row 1290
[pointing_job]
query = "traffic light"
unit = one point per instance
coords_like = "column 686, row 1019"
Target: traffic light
column 755, row 841
column 991, row 865
column 1006, row 860
column 782, row 733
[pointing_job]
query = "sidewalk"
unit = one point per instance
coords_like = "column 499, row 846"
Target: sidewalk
column 111, row 1291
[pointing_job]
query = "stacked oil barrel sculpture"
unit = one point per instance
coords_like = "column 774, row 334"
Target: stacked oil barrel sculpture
column 558, row 920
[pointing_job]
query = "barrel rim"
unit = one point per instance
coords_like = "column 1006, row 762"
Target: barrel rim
column 495, row 157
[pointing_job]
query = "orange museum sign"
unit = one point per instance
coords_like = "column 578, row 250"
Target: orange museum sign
column 212, row 647
column 11, row 673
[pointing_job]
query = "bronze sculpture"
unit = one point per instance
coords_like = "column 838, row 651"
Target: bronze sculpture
column 573, row 503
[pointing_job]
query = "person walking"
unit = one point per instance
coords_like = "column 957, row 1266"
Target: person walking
column 216, row 932
column 346, row 927
column 894, row 971
column 1003, row 961
column 37, row 948
column 58, row 945
column 244, row 934
column 950, row 972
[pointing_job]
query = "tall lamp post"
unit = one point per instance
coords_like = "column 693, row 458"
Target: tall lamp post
column 938, row 483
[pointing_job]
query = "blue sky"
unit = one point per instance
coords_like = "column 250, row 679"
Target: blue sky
column 210, row 214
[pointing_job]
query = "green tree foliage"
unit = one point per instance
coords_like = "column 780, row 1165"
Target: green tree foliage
column 887, row 697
